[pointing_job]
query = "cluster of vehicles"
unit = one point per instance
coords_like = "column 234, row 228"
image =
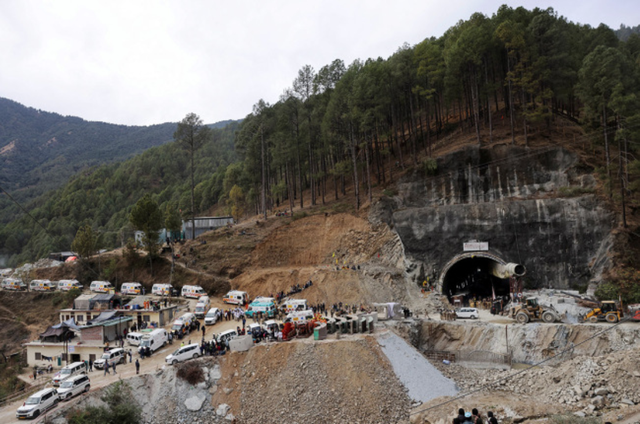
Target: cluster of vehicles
column 68, row 382
column 17, row 284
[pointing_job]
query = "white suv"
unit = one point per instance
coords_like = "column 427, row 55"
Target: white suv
column 114, row 356
column 74, row 386
column 184, row 353
column 467, row 313
column 38, row 403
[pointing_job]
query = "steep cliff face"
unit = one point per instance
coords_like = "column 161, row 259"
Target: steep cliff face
column 531, row 207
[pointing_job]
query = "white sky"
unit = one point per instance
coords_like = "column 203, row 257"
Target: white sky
column 146, row 62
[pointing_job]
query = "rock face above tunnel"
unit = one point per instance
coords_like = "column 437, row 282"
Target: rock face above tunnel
column 512, row 199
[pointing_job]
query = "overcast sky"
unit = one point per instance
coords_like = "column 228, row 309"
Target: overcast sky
column 148, row 62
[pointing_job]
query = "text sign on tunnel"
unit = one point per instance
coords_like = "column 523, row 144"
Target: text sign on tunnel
column 472, row 246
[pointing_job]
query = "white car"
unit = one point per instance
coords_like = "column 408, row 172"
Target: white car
column 467, row 313
column 74, row 386
column 211, row 317
column 184, row 353
column 38, row 403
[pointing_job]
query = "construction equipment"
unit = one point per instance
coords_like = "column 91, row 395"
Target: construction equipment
column 608, row 310
column 530, row 310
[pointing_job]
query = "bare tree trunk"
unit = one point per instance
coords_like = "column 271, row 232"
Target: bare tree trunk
column 606, row 148
column 486, row 81
column 513, row 134
column 366, row 152
column 356, row 186
column 193, row 207
column 264, row 175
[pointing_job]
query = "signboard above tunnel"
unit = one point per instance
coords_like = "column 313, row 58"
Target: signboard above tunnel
column 475, row 246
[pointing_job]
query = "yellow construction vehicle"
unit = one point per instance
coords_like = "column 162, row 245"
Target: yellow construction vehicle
column 531, row 310
column 609, row 310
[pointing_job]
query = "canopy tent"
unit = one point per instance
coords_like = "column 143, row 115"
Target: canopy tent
column 59, row 332
column 103, row 317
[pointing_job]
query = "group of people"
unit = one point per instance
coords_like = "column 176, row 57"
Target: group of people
column 232, row 314
column 473, row 417
column 213, row 347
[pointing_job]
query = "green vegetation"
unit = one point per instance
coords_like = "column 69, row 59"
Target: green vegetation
column 361, row 123
column 120, row 408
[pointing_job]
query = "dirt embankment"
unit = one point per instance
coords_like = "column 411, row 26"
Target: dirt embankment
column 24, row 315
column 325, row 249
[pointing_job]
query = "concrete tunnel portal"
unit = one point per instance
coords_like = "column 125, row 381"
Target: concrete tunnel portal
column 478, row 275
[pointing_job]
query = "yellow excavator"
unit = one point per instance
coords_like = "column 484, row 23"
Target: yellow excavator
column 609, row 311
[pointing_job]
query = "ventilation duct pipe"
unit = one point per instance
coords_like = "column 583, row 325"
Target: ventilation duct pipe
column 508, row 270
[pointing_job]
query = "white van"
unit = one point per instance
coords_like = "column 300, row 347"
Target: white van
column 300, row 317
column 74, row 386
column 131, row 288
column 66, row 285
column 193, row 291
column 42, row 285
column 38, row 403
column 134, row 338
column 13, row 284
column 226, row 336
column 236, row 297
column 292, row 305
column 68, row 372
column 161, row 289
column 202, row 307
column 100, row 286
column 183, row 324
column 184, row 353
column 154, row 340
column 114, row 356
column 212, row 316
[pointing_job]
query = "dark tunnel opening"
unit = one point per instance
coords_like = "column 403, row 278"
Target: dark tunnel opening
column 472, row 278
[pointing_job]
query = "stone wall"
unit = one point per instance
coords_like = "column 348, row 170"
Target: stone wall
column 518, row 201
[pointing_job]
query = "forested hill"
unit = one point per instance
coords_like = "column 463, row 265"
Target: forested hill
column 40, row 150
column 360, row 124
column 103, row 196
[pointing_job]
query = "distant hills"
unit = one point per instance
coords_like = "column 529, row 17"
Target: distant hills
column 40, row 151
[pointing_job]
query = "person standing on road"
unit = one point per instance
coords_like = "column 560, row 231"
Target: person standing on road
column 106, row 368
column 90, row 365
column 130, row 355
column 203, row 331
column 137, row 367
column 114, row 368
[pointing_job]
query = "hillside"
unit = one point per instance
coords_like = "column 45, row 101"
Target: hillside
column 104, row 195
column 40, row 150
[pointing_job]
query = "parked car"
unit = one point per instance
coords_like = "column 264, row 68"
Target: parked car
column 467, row 313
column 38, row 403
column 114, row 356
column 184, row 353
column 69, row 371
column 74, row 386
column 212, row 316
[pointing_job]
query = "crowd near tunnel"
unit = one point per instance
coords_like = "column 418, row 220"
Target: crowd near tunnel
column 478, row 276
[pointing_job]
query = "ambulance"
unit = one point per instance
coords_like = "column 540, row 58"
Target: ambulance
column 66, row 285
column 131, row 288
column 42, row 285
column 193, row 291
column 236, row 297
column 100, row 286
column 13, row 284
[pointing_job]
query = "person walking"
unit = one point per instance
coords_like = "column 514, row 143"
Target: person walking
column 90, row 365
column 114, row 368
column 130, row 355
column 106, row 368
column 203, row 331
column 137, row 367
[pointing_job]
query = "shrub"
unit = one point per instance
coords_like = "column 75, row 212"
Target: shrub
column 575, row 191
column 120, row 408
column 299, row 215
column 191, row 373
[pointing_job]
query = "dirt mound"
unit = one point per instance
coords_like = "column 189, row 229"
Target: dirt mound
column 333, row 381
column 314, row 240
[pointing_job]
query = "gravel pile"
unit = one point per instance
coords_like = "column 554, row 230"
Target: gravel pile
column 422, row 380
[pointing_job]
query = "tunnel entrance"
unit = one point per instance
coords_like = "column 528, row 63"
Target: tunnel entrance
column 473, row 276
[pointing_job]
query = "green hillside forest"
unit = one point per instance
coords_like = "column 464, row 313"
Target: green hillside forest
column 359, row 123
